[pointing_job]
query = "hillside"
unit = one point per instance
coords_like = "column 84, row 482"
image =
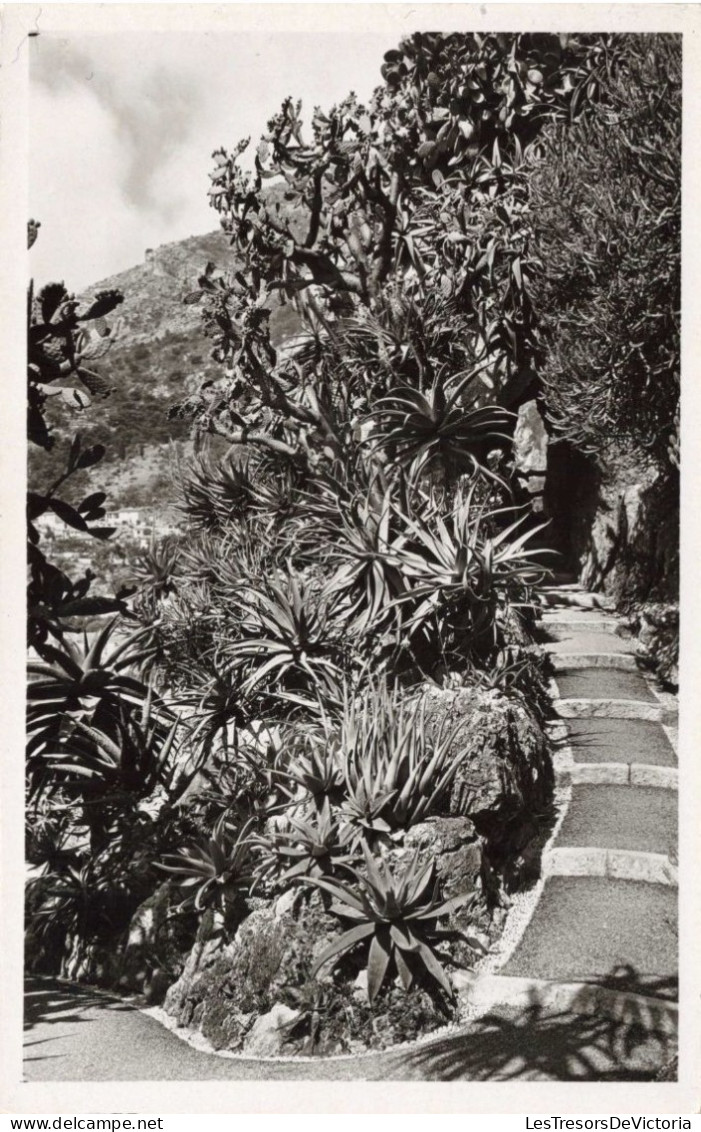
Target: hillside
column 159, row 352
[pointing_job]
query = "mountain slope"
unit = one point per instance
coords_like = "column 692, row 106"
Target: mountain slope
column 159, row 353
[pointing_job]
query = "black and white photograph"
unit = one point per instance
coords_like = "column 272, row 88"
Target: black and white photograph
column 350, row 644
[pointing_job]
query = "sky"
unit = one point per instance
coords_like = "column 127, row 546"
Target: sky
column 122, row 129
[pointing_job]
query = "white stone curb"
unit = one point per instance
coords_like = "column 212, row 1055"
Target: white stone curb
column 622, row 661
column 613, row 774
column 563, row 763
column 575, row 862
column 560, row 628
column 616, row 864
column 661, row 777
column 608, row 709
column 574, row 596
column 652, row 1014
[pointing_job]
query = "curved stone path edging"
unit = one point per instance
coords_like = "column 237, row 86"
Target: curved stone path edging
column 617, row 864
column 594, row 905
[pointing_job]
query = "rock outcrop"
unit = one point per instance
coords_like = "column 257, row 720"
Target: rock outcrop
column 617, row 524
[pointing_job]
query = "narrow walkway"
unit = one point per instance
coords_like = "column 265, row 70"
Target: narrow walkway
column 608, row 913
column 588, row 994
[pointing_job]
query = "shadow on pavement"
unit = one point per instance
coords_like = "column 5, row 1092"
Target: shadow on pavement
column 539, row 1042
column 49, row 1001
column 532, row 1042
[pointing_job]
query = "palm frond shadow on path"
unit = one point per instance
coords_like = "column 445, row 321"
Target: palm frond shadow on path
column 51, row 1002
column 538, row 1043
column 542, row 1043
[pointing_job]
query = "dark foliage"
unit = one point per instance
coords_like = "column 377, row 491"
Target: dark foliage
column 605, row 202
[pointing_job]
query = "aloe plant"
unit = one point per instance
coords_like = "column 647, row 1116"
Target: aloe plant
column 316, row 770
column 463, row 570
column 436, row 427
column 398, row 915
column 394, row 774
column 156, row 568
column 286, row 644
column 133, row 760
column 214, row 493
column 213, row 875
column 93, row 681
column 314, row 845
column 220, row 704
column 362, row 538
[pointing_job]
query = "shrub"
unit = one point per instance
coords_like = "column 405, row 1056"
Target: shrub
column 605, row 203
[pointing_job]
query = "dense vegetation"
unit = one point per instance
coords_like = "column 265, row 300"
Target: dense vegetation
column 265, row 729
column 605, row 204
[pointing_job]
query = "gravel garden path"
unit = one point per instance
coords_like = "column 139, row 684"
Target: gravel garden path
column 588, row 992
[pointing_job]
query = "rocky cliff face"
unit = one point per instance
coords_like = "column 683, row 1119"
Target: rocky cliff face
column 153, row 290
column 617, row 524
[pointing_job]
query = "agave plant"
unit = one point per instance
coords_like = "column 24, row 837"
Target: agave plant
column 312, row 846
column 215, row 874
column 287, row 646
column 398, row 915
column 436, row 428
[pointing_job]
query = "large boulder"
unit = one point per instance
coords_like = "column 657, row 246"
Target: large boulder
column 256, row 995
column 269, row 1033
column 530, row 452
column 657, row 646
column 462, row 866
column 226, row 986
column 504, row 778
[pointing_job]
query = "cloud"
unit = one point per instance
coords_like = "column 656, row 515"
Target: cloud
column 122, row 128
column 152, row 109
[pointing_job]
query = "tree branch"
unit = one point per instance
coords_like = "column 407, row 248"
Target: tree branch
column 325, row 272
column 262, row 439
